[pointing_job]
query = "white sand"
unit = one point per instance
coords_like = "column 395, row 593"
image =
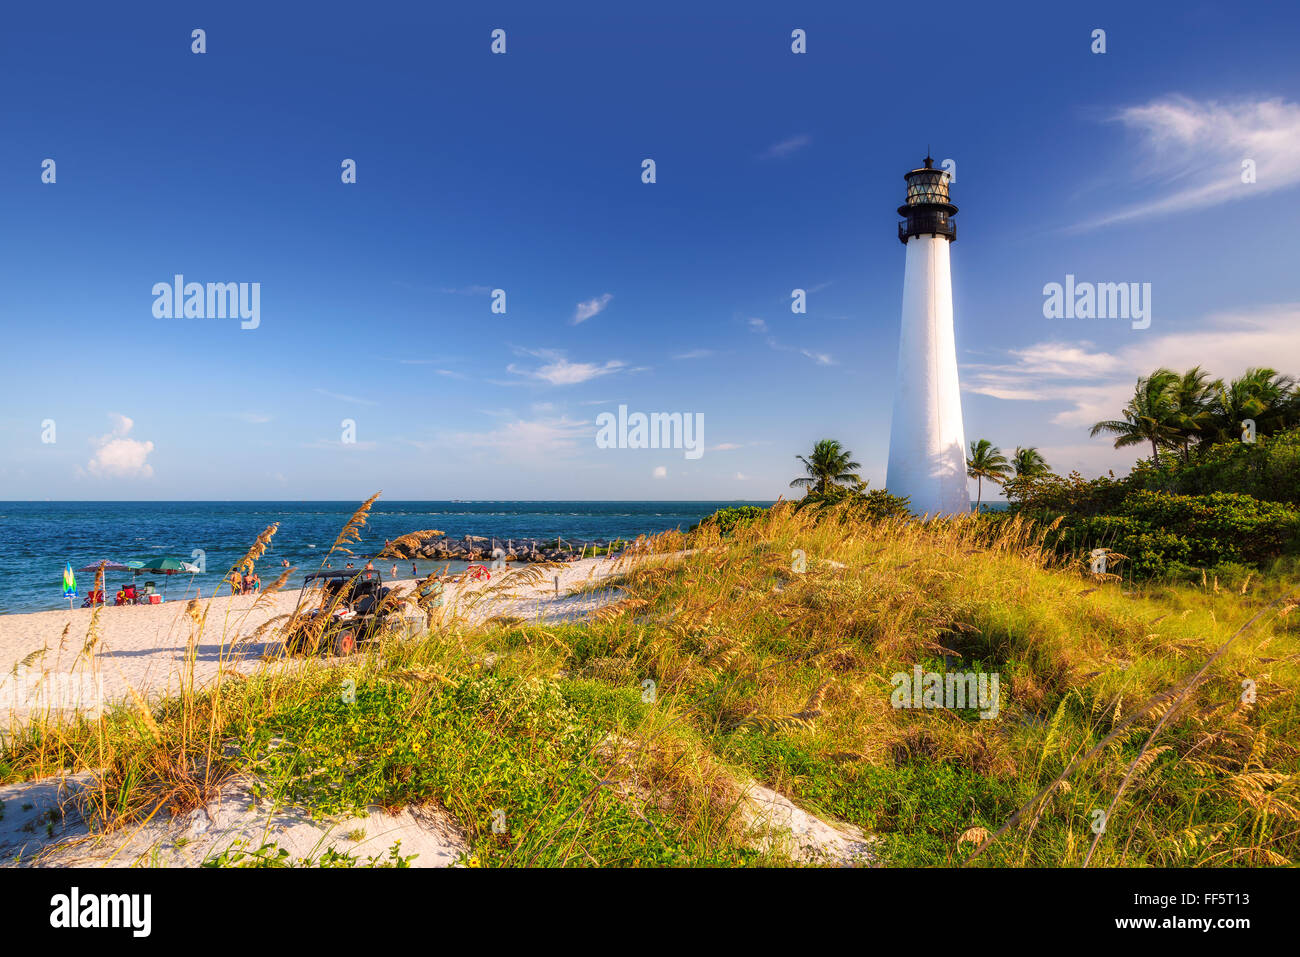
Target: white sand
column 41, row 827
column 143, row 647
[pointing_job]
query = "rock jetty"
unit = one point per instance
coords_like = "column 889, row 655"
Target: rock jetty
column 433, row 545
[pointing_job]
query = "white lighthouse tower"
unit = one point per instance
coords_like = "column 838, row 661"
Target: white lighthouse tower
column 927, row 444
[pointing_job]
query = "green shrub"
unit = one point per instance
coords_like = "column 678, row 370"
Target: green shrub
column 1267, row 469
column 728, row 519
column 1162, row 534
column 1051, row 495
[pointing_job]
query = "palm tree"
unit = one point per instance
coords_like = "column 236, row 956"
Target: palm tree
column 831, row 464
column 1150, row 415
column 1192, row 417
column 1029, row 463
column 986, row 462
column 1259, row 394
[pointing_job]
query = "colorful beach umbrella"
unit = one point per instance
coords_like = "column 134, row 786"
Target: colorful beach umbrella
column 69, row 582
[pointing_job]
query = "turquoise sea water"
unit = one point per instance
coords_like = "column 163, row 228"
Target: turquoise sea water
column 37, row 538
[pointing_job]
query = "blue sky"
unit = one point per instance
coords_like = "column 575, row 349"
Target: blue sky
column 522, row 171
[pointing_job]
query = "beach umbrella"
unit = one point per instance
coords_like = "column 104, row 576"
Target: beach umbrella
column 107, row 564
column 159, row 565
column 69, row 584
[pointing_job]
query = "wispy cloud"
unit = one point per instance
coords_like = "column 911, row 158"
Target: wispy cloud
column 558, row 370
column 695, row 354
column 591, row 307
column 821, row 358
column 786, row 147
column 467, row 291
column 338, row 445
column 341, row 397
column 759, row 327
column 437, row 361
column 526, row 439
column 1192, row 152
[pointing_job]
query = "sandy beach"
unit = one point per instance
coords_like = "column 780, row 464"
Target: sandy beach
column 143, row 647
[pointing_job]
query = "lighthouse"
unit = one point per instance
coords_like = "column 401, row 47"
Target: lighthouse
column 927, row 444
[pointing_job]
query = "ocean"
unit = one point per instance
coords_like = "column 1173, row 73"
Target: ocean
column 38, row 538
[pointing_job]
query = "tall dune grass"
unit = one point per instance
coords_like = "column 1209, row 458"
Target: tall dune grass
column 766, row 653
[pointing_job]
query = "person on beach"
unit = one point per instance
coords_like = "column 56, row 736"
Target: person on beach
column 413, row 571
column 393, row 573
column 235, row 583
column 370, row 566
column 256, row 582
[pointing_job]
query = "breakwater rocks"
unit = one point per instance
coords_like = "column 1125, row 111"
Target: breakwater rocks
column 434, row 546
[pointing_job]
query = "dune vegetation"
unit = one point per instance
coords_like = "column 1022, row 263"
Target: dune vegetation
column 1150, row 723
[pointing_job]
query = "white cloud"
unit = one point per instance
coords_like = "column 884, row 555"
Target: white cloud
column 661, row 472
column 1025, row 377
column 821, row 358
column 695, row 354
column 1192, row 152
column 117, row 455
column 525, row 439
column 786, row 147
column 590, row 308
column 757, row 325
column 741, row 477
column 558, row 370
column 1096, row 385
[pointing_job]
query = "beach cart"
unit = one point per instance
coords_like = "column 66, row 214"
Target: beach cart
column 337, row 610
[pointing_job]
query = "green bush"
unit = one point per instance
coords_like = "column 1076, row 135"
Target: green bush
column 728, row 519
column 1160, row 533
column 1267, row 469
column 1051, row 495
